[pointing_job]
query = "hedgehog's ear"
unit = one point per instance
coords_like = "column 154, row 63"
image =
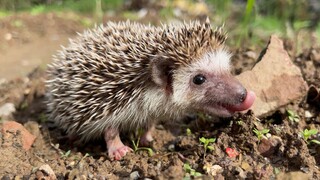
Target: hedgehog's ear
column 161, row 72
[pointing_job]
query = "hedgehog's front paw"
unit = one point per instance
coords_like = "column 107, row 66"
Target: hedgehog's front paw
column 118, row 153
column 116, row 149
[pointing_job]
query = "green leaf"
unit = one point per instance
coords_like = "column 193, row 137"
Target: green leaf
column 315, row 141
column 203, row 140
column 212, row 140
column 150, row 151
column 313, row 131
column 290, row 113
column 264, row 131
column 187, row 167
column 189, row 133
column 211, row 148
column 293, row 116
column 197, row 174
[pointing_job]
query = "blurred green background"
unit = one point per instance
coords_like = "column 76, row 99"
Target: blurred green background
column 248, row 22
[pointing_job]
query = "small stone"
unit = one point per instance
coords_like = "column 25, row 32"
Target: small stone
column 267, row 147
column 268, row 135
column 27, row 138
column 48, row 171
column 71, row 164
column 308, row 114
column 134, row 175
column 90, row 176
column 213, row 170
column 251, row 54
column 171, row 147
column 304, row 169
column 245, row 166
column 7, row 110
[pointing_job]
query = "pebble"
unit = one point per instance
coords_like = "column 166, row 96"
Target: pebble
column 7, row 110
column 47, row 169
column 213, row 170
column 171, row 147
column 134, row 175
column 245, row 166
column 267, row 147
column 308, row 114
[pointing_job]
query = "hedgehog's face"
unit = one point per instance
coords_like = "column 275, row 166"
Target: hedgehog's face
column 207, row 85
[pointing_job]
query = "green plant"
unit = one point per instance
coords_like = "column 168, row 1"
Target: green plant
column 66, row 154
column 247, row 21
column 206, row 144
column 37, row 10
column 293, row 116
column 42, row 117
column 190, row 171
column 260, row 134
column 306, row 134
column 239, row 122
column 136, row 147
column 188, row 131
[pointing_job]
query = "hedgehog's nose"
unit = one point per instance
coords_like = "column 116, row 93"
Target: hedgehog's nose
column 242, row 95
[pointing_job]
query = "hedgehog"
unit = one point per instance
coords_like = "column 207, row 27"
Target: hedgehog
column 122, row 76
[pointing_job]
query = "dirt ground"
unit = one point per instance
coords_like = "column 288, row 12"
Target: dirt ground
column 29, row 41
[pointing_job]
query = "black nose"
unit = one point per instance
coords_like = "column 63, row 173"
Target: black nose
column 242, row 95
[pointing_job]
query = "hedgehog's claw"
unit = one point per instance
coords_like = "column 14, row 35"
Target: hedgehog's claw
column 116, row 149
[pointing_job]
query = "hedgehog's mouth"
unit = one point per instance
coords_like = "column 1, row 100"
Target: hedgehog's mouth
column 227, row 110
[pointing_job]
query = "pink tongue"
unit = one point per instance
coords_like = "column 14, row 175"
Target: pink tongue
column 246, row 104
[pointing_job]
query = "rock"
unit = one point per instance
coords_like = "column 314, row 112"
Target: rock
column 46, row 169
column 245, row 166
column 171, row 147
column 134, row 175
column 7, row 110
column 251, row 54
column 27, row 139
column 212, row 170
column 275, row 79
column 269, row 146
column 308, row 114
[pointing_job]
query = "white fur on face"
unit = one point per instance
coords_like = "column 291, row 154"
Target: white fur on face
column 216, row 62
column 213, row 62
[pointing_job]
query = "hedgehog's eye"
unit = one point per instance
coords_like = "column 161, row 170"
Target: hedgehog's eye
column 199, row 79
